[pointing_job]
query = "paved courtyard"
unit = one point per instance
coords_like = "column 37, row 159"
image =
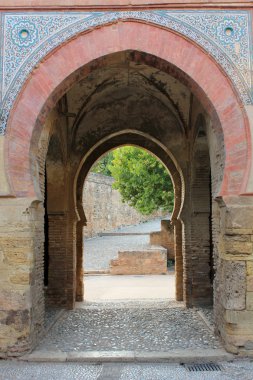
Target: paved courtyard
column 100, row 250
column 129, row 326
column 132, row 287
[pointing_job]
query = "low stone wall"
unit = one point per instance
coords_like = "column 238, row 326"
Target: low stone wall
column 149, row 261
column 104, row 209
column 165, row 237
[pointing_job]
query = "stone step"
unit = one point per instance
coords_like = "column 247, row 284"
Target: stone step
column 144, row 260
column 122, row 233
column 97, row 271
column 172, row 356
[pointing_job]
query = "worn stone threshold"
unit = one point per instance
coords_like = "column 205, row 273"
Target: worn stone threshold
column 172, row 356
column 205, row 320
column 100, row 272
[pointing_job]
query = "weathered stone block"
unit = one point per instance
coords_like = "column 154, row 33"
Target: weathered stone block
column 238, row 247
column 249, row 300
column 7, row 338
column 250, row 268
column 14, row 299
column 16, row 256
column 243, row 316
column 233, row 237
column 237, row 217
column 242, row 330
column 239, row 231
column 239, row 327
column 248, row 345
column 250, row 284
column 233, row 342
column 149, row 261
column 233, row 281
column 21, row 278
column 14, row 332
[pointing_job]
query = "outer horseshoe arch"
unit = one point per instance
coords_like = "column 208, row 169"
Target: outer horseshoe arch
column 57, row 72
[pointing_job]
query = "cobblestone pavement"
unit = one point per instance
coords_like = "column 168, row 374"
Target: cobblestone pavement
column 208, row 313
column 138, row 326
column 50, row 316
column 99, row 251
column 13, row 370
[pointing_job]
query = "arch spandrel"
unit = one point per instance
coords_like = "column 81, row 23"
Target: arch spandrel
column 29, row 37
column 57, row 73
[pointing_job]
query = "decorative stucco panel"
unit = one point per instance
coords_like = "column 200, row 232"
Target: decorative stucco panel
column 28, row 37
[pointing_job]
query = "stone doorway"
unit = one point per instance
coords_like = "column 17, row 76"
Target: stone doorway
column 121, row 258
column 121, row 91
column 128, row 283
column 141, row 92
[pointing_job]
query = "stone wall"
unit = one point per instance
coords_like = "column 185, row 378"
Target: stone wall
column 103, row 207
column 152, row 260
column 21, row 279
column 165, row 237
column 233, row 280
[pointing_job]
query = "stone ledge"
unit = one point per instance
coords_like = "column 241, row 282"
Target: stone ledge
column 172, row 356
column 142, row 261
column 115, row 4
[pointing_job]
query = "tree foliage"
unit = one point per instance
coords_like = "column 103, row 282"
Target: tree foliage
column 102, row 165
column 141, row 179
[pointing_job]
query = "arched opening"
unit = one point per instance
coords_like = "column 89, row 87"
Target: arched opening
column 150, row 144
column 128, row 102
column 131, row 91
column 124, row 247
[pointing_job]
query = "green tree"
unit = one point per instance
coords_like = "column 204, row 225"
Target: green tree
column 141, row 179
column 102, row 165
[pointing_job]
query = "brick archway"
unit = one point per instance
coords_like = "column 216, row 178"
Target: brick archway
column 60, row 69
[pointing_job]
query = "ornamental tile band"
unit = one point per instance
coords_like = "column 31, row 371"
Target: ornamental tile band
column 28, row 37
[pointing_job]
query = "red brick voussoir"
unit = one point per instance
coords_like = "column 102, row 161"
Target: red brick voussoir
column 66, row 64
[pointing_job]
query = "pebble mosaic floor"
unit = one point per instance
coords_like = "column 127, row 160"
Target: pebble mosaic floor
column 140, row 326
